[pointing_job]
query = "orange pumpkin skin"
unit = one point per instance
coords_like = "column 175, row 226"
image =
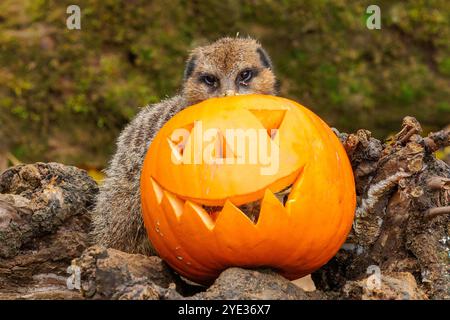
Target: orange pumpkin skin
column 294, row 239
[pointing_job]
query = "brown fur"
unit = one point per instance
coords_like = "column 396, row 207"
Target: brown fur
column 117, row 220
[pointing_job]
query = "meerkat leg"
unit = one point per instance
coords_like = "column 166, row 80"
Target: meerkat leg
column 117, row 221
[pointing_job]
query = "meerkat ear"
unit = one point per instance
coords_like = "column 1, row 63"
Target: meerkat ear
column 264, row 57
column 190, row 66
column 277, row 86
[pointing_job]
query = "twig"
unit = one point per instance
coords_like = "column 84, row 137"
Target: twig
column 434, row 212
column 437, row 140
column 438, row 183
column 408, row 135
column 410, row 126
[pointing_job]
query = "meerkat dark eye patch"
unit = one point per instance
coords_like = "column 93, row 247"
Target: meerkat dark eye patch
column 264, row 58
column 190, row 66
column 246, row 75
column 209, row 80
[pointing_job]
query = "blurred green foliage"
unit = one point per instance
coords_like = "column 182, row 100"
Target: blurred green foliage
column 66, row 94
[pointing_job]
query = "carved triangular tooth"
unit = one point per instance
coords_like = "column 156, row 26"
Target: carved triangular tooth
column 270, row 199
column 233, row 216
column 172, row 202
column 295, row 190
column 157, row 190
column 272, row 211
column 236, row 232
column 201, row 213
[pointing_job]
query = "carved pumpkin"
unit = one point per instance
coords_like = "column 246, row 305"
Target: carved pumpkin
column 183, row 176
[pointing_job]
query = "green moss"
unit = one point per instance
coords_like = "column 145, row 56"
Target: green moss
column 444, row 66
column 443, row 107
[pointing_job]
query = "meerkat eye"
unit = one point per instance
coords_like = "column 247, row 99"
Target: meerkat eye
column 210, row 80
column 245, row 76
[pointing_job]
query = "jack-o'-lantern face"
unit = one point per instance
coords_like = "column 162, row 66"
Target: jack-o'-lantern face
column 225, row 153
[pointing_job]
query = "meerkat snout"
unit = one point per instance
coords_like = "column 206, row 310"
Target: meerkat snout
column 229, row 93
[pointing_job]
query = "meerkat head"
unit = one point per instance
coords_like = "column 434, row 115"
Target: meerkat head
column 229, row 66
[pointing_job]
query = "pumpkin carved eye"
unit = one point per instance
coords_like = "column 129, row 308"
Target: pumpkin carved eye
column 178, row 139
column 205, row 216
column 271, row 120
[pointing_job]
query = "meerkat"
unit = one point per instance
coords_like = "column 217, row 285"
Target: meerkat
column 229, row 66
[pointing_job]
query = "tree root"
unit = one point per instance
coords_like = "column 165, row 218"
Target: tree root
column 402, row 221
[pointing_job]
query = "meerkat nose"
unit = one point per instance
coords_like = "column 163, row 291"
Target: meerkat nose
column 229, row 93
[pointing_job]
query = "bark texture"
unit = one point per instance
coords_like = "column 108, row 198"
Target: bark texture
column 44, row 223
column 402, row 219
